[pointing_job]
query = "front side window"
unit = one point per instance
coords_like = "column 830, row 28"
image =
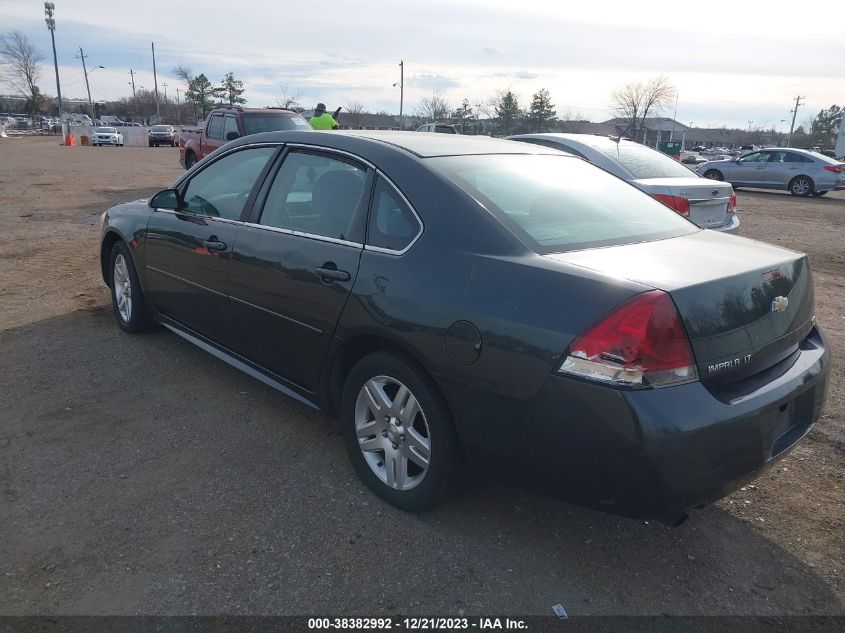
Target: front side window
column 392, row 224
column 317, row 195
column 222, row 189
column 230, row 126
column 559, row 203
column 215, row 127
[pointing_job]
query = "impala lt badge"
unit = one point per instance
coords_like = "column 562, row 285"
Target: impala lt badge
column 780, row 304
column 729, row 364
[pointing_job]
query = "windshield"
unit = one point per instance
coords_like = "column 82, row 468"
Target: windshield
column 106, row 130
column 273, row 122
column 161, row 128
column 559, row 203
column 641, row 161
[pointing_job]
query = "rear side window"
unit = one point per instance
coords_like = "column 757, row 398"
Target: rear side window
column 393, row 225
column 317, row 195
column 230, row 126
column 558, row 203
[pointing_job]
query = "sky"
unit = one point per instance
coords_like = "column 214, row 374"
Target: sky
column 737, row 63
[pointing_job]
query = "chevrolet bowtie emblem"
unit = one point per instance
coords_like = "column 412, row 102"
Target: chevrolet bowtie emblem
column 780, row 304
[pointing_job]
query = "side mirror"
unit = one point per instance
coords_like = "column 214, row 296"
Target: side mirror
column 231, row 136
column 167, row 199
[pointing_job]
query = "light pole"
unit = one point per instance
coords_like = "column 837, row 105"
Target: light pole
column 49, row 7
column 178, row 109
column 401, row 85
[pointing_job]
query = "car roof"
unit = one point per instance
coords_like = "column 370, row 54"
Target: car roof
column 601, row 143
column 420, row 144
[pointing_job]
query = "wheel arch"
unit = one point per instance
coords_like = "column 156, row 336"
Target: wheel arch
column 348, row 353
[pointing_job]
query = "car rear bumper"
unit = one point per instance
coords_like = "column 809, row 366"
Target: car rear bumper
column 731, row 227
column 643, row 453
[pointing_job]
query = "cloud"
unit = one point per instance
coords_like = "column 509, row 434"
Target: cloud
column 433, row 81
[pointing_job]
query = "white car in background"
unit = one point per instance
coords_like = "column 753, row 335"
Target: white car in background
column 709, row 204
column 107, row 136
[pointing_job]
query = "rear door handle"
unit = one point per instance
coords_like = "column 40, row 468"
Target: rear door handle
column 213, row 245
column 329, row 275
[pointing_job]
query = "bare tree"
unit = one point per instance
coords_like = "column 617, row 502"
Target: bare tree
column 21, row 66
column 288, row 99
column 433, row 108
column 572, row 122
column 186, row 74
column 356, row 112
column 635, row 101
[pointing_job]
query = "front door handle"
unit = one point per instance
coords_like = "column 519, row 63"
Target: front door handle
column 329, row 275
column 213, row 245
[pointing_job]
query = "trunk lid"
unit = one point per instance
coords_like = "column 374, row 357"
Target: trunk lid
column 746, row 305
column 708, row 199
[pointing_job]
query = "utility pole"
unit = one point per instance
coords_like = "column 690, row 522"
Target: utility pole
column 165, row 91
column 674, row 116
column 178, row 109
column 794, row 114
column 82, row 56
column 155, row 79
column 132, row 74
column 49, row 7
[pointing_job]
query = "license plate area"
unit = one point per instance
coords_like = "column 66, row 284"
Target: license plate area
column 791, row 420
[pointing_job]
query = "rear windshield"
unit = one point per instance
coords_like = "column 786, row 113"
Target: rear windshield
column 105, row 130
column 641, row 161
column 161, row 128
column 273, row 122
column 561, row 203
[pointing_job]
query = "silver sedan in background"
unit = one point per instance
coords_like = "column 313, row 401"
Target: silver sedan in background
column 799, row 171
column 709, row 205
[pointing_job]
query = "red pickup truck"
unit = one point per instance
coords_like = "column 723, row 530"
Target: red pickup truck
column 225, row 124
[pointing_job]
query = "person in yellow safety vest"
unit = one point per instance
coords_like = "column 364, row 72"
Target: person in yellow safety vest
column 322, row 120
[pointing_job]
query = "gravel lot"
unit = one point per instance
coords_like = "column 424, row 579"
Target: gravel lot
column 140, row 475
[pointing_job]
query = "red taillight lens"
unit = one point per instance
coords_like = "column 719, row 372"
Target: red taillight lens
column 732, row 203
column 676, row 203
column 641, row 343
column 836, row 169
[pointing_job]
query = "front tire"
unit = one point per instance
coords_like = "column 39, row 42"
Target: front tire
column 714, row 174
column 398, row 431
column 130, row 306
column 801, row 186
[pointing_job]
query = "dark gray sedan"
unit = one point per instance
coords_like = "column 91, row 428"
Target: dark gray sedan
column 799, row 171
column 463, row 300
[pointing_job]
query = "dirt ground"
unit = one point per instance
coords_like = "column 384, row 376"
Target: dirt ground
column 142, row 476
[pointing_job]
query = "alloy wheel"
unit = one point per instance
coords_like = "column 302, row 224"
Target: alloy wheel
column 801, row 186
column 122, row 288
column 392, row 433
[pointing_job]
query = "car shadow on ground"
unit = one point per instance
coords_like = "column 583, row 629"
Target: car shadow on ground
column 143, row 476
column 832, row 198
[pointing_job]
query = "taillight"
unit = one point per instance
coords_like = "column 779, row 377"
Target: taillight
column 642, row 343
column 676, row 203
column 836, row 169
column 732, row 203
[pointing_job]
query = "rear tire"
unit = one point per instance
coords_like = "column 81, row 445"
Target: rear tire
column 130, row 306
column 801, row 186
column 398, row 431
column 714, row 174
